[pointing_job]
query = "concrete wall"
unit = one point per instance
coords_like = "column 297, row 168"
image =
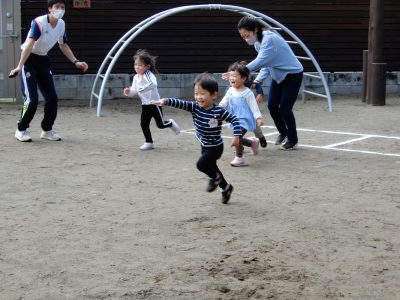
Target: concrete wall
column 181, row 85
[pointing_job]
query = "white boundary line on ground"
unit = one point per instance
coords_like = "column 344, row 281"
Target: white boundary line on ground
column 331, row 146
column 347, row 142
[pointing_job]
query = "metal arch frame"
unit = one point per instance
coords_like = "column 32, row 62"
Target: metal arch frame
column 124, row 41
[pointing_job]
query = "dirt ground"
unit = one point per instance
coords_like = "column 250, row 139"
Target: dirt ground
column 93, row 217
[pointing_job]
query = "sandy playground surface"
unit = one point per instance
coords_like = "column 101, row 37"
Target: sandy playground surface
column 93, row 217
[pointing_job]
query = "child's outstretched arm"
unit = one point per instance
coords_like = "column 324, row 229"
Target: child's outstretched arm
column 161, row 101
column 177, row 103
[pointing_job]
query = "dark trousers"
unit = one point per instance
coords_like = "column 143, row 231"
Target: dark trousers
column 36, row 74
column 207, row 163
column 281, row 99
column 148, row 112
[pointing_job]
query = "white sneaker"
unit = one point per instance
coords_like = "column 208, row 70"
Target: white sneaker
column 238, row 162
column 50, row 135
column 147, row 146
column 23, row 136
column 175, row 127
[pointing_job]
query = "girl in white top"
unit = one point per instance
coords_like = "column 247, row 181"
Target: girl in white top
column 239, row 100
column 144, row 84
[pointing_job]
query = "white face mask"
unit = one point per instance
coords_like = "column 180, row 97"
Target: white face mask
column 251, row 40
column 58, row 13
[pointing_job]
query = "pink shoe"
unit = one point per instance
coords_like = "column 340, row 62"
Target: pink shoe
column 255, row 144
column 237, row 162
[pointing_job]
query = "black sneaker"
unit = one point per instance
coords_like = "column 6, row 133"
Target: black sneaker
column 280, row 139
column 213, row 184
column 289, row 145
column 263, row 142
column 227, row 194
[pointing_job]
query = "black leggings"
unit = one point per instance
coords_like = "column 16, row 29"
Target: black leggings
column 148, row 112
column 207, row 163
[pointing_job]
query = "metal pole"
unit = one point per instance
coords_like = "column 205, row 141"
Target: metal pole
column 365, row 76
column 376, row 78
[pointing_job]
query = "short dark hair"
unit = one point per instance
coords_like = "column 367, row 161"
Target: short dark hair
column 207, row 81
column 50, row 3
column 241, row 68
column 250, row 24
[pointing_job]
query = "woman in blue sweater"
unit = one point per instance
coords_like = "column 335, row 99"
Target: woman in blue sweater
column 275, row 58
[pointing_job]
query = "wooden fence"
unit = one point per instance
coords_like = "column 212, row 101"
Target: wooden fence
column 336, row 32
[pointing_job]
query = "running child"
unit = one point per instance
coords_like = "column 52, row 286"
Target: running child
column 144, row 84
column 240, row 101
column 207, row 119
column 259, row 97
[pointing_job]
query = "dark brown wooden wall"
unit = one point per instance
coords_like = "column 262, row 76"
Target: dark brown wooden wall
column 336, row 32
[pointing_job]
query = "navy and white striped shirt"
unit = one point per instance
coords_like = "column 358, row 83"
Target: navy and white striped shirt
column 208, row 122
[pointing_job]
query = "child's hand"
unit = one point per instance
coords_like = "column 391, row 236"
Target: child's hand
column 162, row 101
column 235, row 141
column 259, row 122
column 126, row 91
column 259, row 98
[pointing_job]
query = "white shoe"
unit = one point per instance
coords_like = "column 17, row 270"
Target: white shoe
column 147, row 146
column 238, row 162
column 23, row 136
column 50, row 135
column 175, row 127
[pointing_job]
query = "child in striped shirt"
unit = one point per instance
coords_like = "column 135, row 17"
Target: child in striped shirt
column 207, row 119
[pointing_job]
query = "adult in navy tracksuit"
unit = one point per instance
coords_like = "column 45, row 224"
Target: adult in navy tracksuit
column 275, row 58
column 34, row 70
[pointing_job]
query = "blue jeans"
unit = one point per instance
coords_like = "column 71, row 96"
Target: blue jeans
column 281, row 99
